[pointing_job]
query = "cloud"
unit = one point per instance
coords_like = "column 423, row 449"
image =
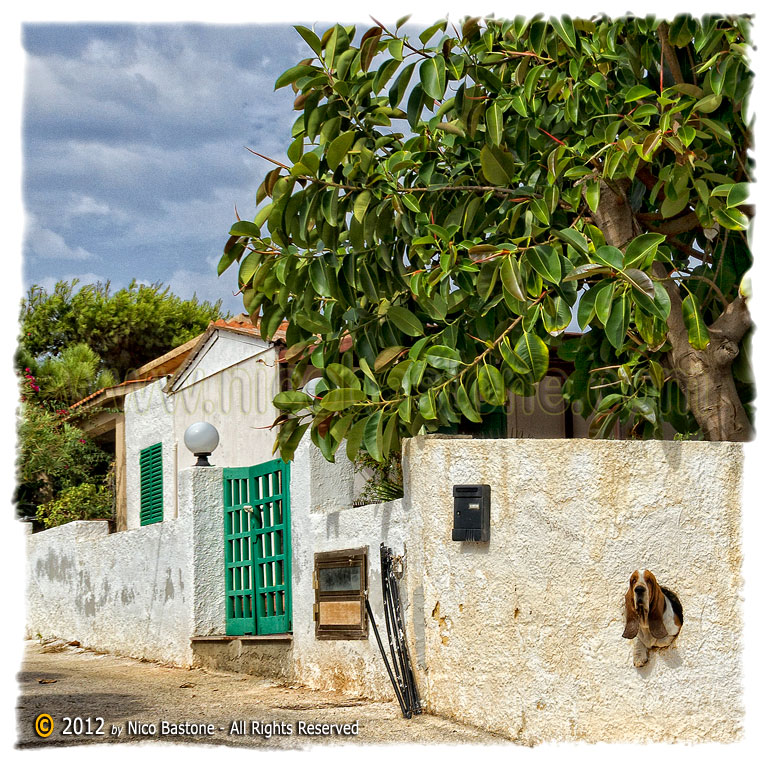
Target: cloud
column 134, row 143
column 44, row 243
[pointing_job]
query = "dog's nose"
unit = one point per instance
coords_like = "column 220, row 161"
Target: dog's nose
column 639, row 589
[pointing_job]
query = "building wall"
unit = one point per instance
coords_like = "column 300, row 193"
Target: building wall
column 323, row 520
column 522, row 635
column 236, row 399
column 128, row 592
column 149, row 420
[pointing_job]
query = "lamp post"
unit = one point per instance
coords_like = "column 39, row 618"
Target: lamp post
column 201, row 438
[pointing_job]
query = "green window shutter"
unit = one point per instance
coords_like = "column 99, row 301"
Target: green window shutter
column 151, row 466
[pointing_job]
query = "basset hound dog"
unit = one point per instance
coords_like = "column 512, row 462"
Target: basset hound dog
column 654, row 614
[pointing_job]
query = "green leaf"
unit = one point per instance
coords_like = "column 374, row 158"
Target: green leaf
column 491, row 384
column 540, row 210
column 465, row 405
column 493, row 169
column 731, row 218
column 641, row 250
column 362, row 201
column 640, row 281
column 338, row 148
column 565, row 31
column 406, row 321
column 593, row 195
column 342, row 376
column 604, row 302
column 672, row 206
column 443, row 358
column 545, row 260
column 638, row 92
column 575, row 239
column 386, row 356
column 511, row 278
column 608, row 402
column 245, row 229
column 432, row 76
column 586, row 309
column 427, row 407
column 310, row 38
column 739, row 194
column 355, row 439
column 292, row 400
column 534, row 354
column 657, row 375
column 698, row 334
column 494, row 121
column 399, row 87
column 586, row 270
column 293, row 74
column 618, row 322
column 708, row 103
column 339, row 399
column 559, row 319
column 609, row 256
column 373, row 436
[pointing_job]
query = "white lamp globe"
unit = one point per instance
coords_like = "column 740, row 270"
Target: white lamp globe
column 201, row 438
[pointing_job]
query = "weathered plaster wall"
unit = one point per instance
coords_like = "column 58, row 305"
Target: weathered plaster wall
column 149, row 420
column 522, row 635
column 323, row 520
column 128, row 592
column 142, row 592
column 200, row 490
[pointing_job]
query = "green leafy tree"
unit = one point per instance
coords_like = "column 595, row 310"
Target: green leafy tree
column 455, row 201
column 124, row 328
column 73, row 374
column 53, row 454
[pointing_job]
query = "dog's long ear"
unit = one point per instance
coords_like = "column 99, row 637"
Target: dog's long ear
column 656, row 607
column 633, row 622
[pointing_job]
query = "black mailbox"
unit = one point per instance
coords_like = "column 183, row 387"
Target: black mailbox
column 471, row 513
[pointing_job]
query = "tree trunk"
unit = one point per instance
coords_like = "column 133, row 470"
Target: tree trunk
column 705, row 376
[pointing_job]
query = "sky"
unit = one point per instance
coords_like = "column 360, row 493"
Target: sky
column 134, row 151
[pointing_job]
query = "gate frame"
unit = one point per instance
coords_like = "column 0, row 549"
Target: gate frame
column 258, row 623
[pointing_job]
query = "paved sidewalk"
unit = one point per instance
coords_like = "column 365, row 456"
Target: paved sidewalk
column 69, row 682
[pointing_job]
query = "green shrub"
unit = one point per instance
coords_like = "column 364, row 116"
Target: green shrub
column 80, row 502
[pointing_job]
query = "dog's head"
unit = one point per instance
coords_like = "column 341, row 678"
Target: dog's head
column 644, row 605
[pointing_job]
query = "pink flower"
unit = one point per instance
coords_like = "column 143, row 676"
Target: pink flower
column 82, row 441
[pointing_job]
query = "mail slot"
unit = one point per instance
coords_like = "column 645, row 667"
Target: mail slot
column 471, row 513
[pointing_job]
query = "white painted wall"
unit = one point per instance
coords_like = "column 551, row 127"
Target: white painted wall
column 149, row 420
column 128, row 592
column 323, row 520
column 141, row 592
column 522, row 635
column 236, row 399
column 231, row 385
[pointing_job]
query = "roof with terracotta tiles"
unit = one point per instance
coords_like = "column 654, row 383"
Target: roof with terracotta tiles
column 170, row 363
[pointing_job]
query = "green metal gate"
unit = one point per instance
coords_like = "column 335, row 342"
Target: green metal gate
column 257, row 548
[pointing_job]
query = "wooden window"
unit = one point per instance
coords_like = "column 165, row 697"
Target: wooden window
column 151, row 468
column 340, row 580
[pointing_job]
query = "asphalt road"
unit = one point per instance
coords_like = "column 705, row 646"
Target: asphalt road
column 128, row 701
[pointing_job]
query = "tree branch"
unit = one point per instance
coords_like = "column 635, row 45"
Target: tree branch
column 669, row 54
column 734, row 322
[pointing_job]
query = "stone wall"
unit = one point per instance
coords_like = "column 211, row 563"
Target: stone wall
column 522, row 635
